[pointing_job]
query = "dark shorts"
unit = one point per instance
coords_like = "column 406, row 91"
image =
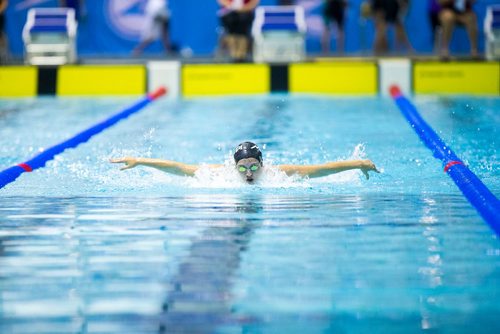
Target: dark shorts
column 434, row 20
column 390, row 8
column 334, row 12
column 2, row 23
column 236, row 23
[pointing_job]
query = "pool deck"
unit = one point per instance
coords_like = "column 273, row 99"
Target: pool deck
column 209, row 76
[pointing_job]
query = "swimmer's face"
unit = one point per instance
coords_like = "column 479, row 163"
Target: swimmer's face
column 249, row 169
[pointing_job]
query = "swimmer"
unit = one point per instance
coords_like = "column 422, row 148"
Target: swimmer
column 248, row 162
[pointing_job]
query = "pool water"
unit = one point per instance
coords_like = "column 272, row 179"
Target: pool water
column 87, row 248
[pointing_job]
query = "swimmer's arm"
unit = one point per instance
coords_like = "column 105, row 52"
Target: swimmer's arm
column 330, row 168
column 168, row 166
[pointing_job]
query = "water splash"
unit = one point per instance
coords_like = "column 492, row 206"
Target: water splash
column 227, row 177
column 358, row 152
column 93, row 174
column 271, row 176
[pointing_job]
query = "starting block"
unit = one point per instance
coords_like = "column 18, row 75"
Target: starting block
column 49, row 36
column 279, row 34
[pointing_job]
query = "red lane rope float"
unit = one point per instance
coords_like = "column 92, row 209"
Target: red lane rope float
column 395, row 91
column 26, row 167
column 157, row 93
column 452, row 163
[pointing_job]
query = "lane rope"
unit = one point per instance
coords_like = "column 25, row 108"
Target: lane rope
column 451, row 163
column 483, row 200
column 10, row 174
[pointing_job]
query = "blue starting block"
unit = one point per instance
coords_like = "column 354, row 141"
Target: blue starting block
column 49, row 36
column 492, row 32
column 279, row 34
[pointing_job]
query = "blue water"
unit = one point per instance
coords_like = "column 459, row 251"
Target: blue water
column 87, row 248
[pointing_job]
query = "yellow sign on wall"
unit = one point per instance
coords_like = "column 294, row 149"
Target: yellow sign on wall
column 225, row 79
column 457, row 78
column 334, row 78
column 18, row 81
column 101, row 80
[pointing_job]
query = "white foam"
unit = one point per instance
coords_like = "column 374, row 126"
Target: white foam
column 270, row 177
column 227, row 177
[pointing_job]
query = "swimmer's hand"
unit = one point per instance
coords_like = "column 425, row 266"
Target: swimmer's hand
column 168, row 166
column 130, row 162
column 368, row 165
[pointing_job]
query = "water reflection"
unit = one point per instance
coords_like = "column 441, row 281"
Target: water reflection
column 432, row 271
column 253, row 262
column 201, row 299
column 272, row 119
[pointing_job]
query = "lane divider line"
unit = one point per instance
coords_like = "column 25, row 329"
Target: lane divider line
column 478, row 195
column 9, row 175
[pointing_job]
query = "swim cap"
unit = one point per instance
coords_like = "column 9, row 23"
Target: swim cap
column 247, row 150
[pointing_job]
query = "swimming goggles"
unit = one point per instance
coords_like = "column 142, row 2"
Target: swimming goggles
column 253, row 168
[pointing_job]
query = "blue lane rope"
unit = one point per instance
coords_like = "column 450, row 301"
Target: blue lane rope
column 469, row 184
column 9, row 175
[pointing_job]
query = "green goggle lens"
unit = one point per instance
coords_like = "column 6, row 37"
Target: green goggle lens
column 253, row 168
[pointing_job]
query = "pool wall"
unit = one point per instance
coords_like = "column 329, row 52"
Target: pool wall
column 334, row 76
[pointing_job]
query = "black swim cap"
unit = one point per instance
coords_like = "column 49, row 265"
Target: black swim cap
column 247, row 150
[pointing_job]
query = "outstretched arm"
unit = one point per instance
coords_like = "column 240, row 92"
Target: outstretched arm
column 168, row 166
column 330, row 168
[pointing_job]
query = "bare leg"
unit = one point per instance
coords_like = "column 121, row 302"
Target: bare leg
column 4, row 48
column 437, row 38
column 325, row 39
column 380, row 45
column 222, row 47
column 242, row 47
column 469, row 20
column 232, row 46
column 447, row 18
column 402, row 37
column 165, row 37
column 139, row 49
column 340, row 39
